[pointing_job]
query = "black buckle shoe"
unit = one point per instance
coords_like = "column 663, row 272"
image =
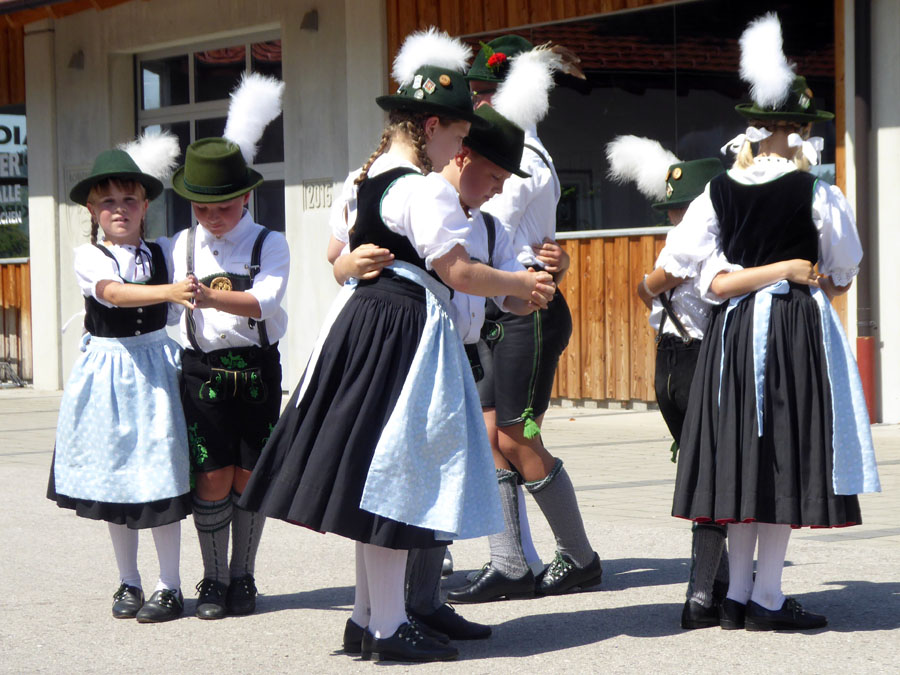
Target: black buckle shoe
column 791, row 616
column 241, row 597
column 731, row 614
column 164, row 605
column 127, row 601
column 446, row 621
column 564, row 576
column 491, row 585
column 211, row 600
column 695, row 615
column 353, row 636
column 408, row 643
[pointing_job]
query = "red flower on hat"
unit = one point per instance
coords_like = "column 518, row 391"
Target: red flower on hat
column 496, row 60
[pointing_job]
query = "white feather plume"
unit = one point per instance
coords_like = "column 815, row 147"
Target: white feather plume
column 642, row 161
column 524, row 96
column 155, row 152
column 255, row 103
column 429, row 47
column 763, row 63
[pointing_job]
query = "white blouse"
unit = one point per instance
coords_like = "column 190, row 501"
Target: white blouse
column 469, row 309
column 93, row 266
column 696, row 239
column 231, row 253
column 527, row 206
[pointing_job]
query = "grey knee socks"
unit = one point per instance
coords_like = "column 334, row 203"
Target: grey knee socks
column 246, row 531
column 507, row 556
column 212, row 520
column 706, row 555
column 555, row 494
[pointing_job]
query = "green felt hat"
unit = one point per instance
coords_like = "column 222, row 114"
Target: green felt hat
column 114, row 164
column 214, row 171
column 798, row 107
column 502, row 142
column 685, row 181
column 440, row 91
column 491, row 64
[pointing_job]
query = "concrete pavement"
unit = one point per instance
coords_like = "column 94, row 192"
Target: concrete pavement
column 58, row 575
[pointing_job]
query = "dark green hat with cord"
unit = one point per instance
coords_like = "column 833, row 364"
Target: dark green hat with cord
column 502, row 142
column 114, row 164
column 491, row 64
column 797, row 107
column 685, row 181
column 437, row 91
column 214, row 171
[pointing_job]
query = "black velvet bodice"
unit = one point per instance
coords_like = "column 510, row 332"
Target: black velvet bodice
column 119, row 322
column 768, row 222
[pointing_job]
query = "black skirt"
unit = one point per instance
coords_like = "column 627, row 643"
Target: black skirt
column 135, row 516
column 726, row 471
column 313, row 469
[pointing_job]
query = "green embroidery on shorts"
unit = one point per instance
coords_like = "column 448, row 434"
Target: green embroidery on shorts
column 199, row 453
column 233, row 361
column 266, row 439
column 254, row 391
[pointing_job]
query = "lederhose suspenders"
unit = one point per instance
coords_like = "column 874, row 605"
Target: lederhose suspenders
column 666, row 300
column 253, row 271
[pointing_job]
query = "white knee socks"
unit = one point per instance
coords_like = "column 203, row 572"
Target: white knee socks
column 386, row 572
column 362, row 606
column 168, row 550
column 773, row 542
column 125, row 546
column 741, row 545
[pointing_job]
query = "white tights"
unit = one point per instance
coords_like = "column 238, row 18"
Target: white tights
column 168, row 550
column 773, row 541
column 380, row 602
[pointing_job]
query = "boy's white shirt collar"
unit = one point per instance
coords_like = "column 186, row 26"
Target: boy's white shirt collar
column 235, row 233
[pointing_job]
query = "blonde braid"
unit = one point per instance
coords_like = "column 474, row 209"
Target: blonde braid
column 415, row 129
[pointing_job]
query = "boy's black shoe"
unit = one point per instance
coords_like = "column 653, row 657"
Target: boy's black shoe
column 127, row 601
column 564, row 576
column 211, row 600
column 695, row 615
column 241, row 597
column 164, row 605
column 491, row 584
column 446, row 621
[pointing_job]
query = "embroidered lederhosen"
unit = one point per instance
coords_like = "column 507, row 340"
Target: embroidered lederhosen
column 231, row 396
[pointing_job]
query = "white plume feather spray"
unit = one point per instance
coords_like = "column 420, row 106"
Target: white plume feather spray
column 524, row 96
column 155, row 153
column 255, row 103
column 642, row 161
column 430, row 47
column 763, row 63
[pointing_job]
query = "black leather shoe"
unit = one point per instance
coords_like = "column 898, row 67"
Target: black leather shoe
column 695, row 615
column 127, row 601
column 445, row 620
column 241, row 597
column 426, row 630
column 493, row 585
column 407, row 643
column 447, row 565
column 791, row 616
column 353, row 636
column 731, row 614
column 563, row 576
column 211, row 600
column 164, row 605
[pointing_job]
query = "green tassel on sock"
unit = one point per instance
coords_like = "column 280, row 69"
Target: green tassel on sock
column 674, row 451
column 531, row 427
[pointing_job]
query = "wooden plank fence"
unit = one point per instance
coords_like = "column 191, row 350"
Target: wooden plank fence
column 611, row 354
column 15, row 319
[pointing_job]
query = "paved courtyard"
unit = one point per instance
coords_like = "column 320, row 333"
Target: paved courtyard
column 58, row 574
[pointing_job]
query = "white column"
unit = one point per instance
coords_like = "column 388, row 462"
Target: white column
column 885, row 168
column 43, row 211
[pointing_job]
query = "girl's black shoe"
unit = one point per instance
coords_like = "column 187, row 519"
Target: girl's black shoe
column 127, row 601
column 407, row 643
column 791, row 616
column 731, row 614
column 164, row 605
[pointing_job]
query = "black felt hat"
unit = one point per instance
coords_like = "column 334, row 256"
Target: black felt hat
column 502, row 142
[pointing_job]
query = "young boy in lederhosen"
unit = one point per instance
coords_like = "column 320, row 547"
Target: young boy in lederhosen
column 231, row 388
